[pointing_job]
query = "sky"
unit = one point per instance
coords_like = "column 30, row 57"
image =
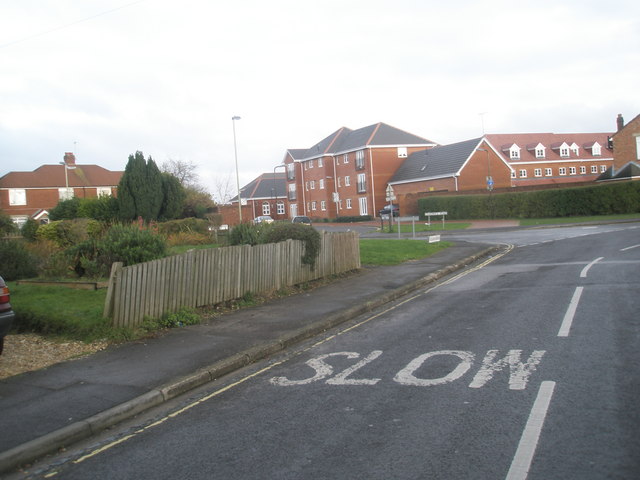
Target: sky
column 107, row 78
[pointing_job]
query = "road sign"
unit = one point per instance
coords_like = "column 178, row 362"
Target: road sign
column 390, row 194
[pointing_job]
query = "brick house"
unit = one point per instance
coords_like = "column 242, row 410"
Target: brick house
column 26, row 195
column 346, row 173
column 554, row 158
column 502, row 161
column 626, row 143
column 458, row 167
column 266, row 195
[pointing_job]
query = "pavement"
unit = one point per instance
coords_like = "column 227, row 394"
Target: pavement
column 45, row 410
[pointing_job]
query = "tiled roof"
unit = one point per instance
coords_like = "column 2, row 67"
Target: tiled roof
column 346, row 140
column 53, row 176
column 435, row 162
column 267, row 185
column 552, row 141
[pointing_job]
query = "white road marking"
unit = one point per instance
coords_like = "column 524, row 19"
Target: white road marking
column 583, row 273
column 629, row 248
column 519, row 372
column 406, row 376
column 571, row 312
column 521, row 462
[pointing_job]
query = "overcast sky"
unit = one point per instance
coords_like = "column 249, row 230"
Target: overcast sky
column 104, row 78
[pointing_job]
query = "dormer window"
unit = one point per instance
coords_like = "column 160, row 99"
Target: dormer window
column 563, row 149
column 514, row 152
column 402, row 152
column 538, row 149
column 575, row 149
column 596, row 149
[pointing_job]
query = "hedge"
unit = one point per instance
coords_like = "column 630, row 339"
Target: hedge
column 606, row 199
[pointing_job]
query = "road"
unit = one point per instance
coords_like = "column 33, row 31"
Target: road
column 525, row 367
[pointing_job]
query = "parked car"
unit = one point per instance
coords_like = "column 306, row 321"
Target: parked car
column 263, row 219
column 301, row 219
column 6, row 312
column 386, row 210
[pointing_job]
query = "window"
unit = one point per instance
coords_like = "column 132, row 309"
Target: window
column 349, row 203
column 345, row 158
column 311, row 163
column 280, row 208
column 523, row 174
column 594, row 169
column 65, row 193
column 638, row 147
column 347, row 181
column 321, row 184
column 306, row 186
column 103, row 191
column 596, row 150
column 362, row 183
column 339, row 181
column 548, row 172
column 18, row 196
column 320, row 164
column 514, row 152
column 313, row 205
column 513, row 174
column 539, row 152
column 572, row 170
column 402, row 152
column 583, row 170
column 312, row 184
column 603, row 168
column 291, row 171
column 562, row 171
column 323, row 205
column 364, row 206
column 537, row 172
column 292, row 191
column 360, row 159
column 564, row 152
column 266, row 208
column 575, row 149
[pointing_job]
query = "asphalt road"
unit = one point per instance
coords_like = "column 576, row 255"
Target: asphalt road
column 526, row 367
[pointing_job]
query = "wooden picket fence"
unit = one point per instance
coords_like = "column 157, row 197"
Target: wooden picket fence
column 207, row 277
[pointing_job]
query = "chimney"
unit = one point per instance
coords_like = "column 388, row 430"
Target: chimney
column 620, row 122
column 69, row 158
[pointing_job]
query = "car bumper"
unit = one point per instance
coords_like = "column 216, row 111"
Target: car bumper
column 6, row 320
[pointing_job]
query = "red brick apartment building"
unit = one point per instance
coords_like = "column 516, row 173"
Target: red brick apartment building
column 26, row 195
column 626, row 143
column 346, row 173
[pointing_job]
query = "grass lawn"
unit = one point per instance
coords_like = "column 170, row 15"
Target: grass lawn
column 375, row 251
column 406, row 227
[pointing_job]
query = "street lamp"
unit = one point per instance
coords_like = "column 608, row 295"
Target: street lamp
column 235, row 149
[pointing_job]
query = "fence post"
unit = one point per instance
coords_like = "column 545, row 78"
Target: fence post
column 116, row 267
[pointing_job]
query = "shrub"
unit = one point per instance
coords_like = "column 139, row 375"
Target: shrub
column 358, row 218
column 16, row 261
column 65, row 209
column 247, row 234
column 280, row 232
column 129, row 245
column 188, row 238
column 66, row 233
column 29, row 229
column 6, row 224
column 185, row 225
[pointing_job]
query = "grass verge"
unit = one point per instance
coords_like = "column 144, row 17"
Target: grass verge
column 375, row 251
column 422, row 227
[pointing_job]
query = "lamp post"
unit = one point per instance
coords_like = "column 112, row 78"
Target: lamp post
column 235, row 149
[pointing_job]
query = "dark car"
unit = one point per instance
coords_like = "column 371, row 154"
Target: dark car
column 386, row 210
column 6, row 313
column 301, row 219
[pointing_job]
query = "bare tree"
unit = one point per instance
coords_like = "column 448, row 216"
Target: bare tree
column 183, row 170
column 224, row 188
